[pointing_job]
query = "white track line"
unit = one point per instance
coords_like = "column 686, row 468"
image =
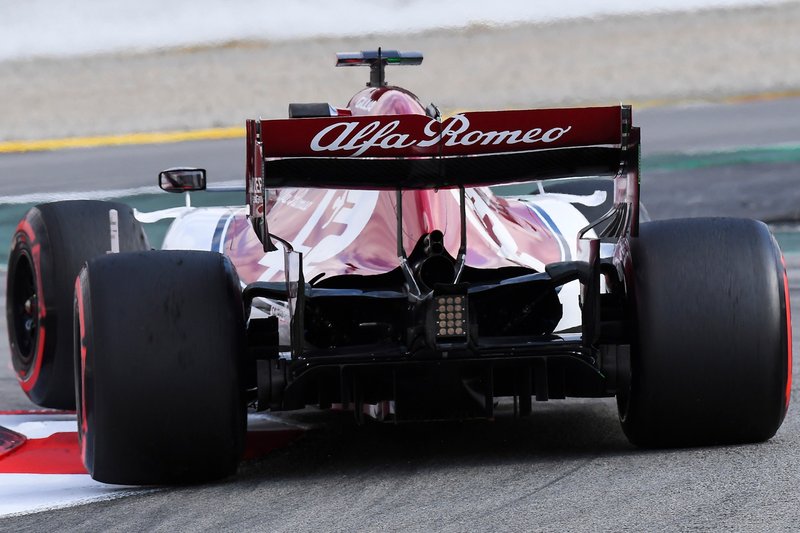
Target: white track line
column 39, row 197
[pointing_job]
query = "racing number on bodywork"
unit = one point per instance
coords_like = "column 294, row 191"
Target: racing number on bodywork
column 338, row 219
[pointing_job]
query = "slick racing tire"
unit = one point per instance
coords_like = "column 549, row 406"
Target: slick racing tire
column 711, row 363
column 159, row 361
column 49, row 247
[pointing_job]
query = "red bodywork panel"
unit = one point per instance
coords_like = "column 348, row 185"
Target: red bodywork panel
column 354, row 232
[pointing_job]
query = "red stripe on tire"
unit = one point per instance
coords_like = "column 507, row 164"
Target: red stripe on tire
column 788, row 333
column 83, row 423
column 28, row 381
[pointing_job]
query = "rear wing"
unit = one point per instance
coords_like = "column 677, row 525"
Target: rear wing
column 415, row 151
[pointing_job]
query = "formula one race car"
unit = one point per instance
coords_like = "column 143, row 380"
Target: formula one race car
column 373, row 269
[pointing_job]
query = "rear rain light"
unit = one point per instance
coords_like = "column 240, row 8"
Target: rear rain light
column 450, row 317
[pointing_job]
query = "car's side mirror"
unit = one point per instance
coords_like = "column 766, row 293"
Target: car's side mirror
column 182, row 179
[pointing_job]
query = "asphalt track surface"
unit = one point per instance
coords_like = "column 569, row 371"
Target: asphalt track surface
column 567, row 467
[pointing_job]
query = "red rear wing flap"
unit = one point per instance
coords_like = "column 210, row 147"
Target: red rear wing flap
column 415, row 151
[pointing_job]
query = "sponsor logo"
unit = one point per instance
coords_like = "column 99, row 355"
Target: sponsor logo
column 359, row 137
column 365, row 103
column 256, row 197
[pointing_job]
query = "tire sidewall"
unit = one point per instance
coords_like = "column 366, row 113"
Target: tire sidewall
column 32, row 244
column 84, row 386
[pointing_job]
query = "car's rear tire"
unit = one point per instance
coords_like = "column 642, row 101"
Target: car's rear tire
column 159, row 363
column 49, row 247
column 711, row 363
